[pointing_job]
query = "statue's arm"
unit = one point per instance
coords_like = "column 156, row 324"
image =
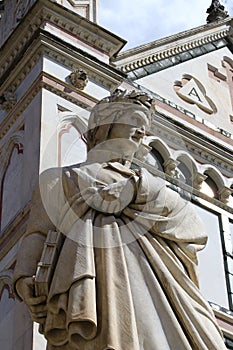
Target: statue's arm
column 170, row 216
column 111, row 198
column 102, row 187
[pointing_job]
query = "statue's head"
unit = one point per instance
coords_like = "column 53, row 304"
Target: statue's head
column 123, row 115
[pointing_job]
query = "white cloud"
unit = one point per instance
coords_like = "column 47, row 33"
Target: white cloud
column 140, row 22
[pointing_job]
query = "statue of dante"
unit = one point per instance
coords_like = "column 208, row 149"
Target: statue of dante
column 126, row 276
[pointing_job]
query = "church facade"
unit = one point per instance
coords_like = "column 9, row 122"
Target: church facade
column 56, row 63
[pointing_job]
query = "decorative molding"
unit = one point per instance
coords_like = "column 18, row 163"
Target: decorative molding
column 225, row 318
column 189, row 189
column 52, row 84
column 166, row 108
column 22, row 7
column 89, row 5
column 215, row 174
column 7, row 101
column 46, row 12
column 165, row 48
column 99, row 73
column 201, row 150
column 79, row 123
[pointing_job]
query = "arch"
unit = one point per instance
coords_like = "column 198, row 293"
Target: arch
column 15, row 140
column 7, row 158
column 230, row 182
column 159, row 152
column 77, row 121
column 185, row 158
column 160, row 146
column 7, row 310
column 186, row 167
column 230, row 186
column 214, row 174
column 6, row 277
column 214, row 183
column 71, row 149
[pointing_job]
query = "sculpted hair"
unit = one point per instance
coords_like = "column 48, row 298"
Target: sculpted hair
column 112, row 108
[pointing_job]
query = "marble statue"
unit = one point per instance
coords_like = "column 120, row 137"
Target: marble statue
column 126, row 277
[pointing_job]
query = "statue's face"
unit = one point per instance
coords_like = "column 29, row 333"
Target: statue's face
column 130, row 127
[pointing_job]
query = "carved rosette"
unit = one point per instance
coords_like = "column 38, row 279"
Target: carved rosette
column 79, row 79
column 7, row 101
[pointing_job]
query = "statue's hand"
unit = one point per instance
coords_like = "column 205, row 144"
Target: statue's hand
column 37, row 305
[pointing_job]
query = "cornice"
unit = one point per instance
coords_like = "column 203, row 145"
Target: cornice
column 194, row 193
column 82, row 28
column 47, row 12
column 47, row 45
column 171, row 46
column 225, row 318
column 203, row 150
column 49, row 83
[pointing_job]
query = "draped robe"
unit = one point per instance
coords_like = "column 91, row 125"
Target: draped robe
column 126, row 277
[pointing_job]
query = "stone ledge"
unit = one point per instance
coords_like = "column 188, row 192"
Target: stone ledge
column 172, row 46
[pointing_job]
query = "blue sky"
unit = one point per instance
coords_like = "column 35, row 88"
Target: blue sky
column 140, row 22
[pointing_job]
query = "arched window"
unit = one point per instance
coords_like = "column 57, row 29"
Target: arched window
column 11, row 186
column 230, row 203
column 159, row 154
column 7, row 304
column 71, row 145
column 72, row 148
column 213, row 183
column 209, row 188
column 186, row 167
column 184, row 173
column 155, row 158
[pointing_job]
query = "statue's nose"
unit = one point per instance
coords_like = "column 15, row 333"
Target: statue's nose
column 140, row 132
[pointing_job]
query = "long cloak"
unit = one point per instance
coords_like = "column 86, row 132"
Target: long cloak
column 127, row 274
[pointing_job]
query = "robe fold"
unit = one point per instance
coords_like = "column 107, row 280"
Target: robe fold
column 127, row 274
